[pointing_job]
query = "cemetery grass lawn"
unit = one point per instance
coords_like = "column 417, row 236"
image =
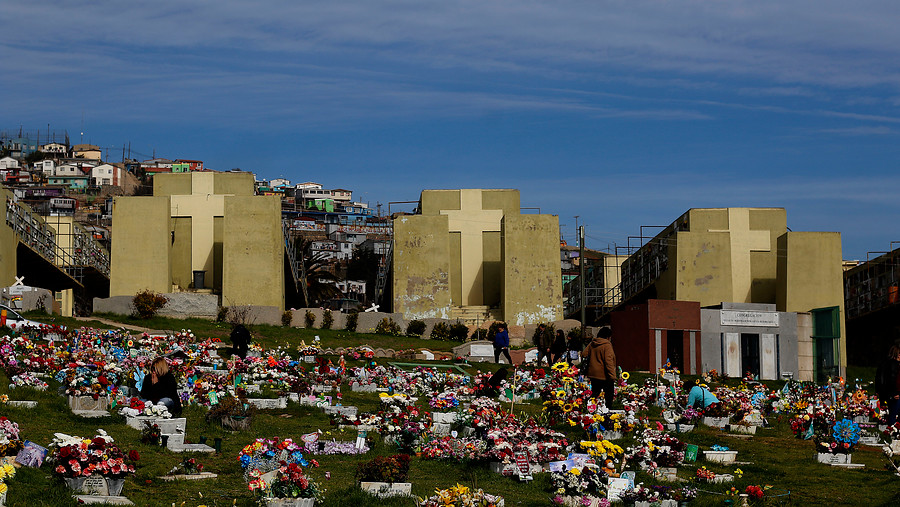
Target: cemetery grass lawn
column 775, row 457
column 266, row 335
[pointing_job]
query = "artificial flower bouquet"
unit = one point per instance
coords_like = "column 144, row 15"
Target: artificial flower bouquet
column 7, row 472
column 466, row 448
column 291, row 481
column 844, row 436
column 10, row 444
column 266, row 455
column 461, row 496
column 74, row 457
column 389, row 469
column 188, row 466
column 580, row 483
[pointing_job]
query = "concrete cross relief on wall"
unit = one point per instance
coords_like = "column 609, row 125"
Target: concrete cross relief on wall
column 471, row 220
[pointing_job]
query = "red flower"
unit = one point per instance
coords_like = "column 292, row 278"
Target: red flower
column 134, row 455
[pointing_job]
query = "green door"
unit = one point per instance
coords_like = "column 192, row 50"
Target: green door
column 826, row 342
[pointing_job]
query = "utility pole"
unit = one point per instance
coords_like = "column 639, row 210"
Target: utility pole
column 576, row 227
column 581, row 276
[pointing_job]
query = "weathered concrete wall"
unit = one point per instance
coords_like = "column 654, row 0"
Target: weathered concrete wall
column 532, row 281
column 191, row 304
column 253, row 253
column 810, row 276
column 702, row 269
column 255, row 314
column 37, row 298
column 8, row 243
column 368, row 320
column 168, row 184
column 179, row 305
column 421, row 281
column 298, row 318
column 120, row 305
column 141, row 241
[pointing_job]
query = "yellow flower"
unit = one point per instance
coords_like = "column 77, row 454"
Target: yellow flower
column 560, row 366
column 625, row 375
column 3, row 488
column 575, row 471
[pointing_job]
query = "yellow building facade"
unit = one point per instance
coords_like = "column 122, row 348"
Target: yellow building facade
column 200, row 222
column 471, row 249
column 743, row 255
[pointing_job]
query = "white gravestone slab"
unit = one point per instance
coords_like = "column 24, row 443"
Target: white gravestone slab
column 481, row 350
column 95, row 485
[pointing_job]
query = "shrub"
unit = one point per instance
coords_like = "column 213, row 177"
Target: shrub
column 352, row 320
column 146, row 303
column 286, row 318
column 327, row 320
column 486, row 334
column 389, row 327
column 384, row 469
column 459, row 332
column 310, row 318
column 440, row 331
column 222, row 314
column 415, row 328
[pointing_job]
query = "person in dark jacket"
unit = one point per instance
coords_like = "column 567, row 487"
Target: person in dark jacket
column 601, row 364
column 240, row 341
column 574, row 346
column 559, row 346
column 887, row 384
column 543, row 339
column 501, row 344
column 161, row 387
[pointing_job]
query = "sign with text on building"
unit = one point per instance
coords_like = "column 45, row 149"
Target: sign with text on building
column 748, row 318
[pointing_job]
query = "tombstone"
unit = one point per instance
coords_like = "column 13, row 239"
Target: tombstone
column 476, row 351
column 531, row 356
column 95, row 485
column 268, row 404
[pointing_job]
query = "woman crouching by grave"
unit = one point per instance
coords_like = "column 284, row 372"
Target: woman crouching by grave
column 161, row 387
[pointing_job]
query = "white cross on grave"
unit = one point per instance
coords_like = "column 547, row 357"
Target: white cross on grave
column 373, row 308
column 20, row 281
column 471, row 221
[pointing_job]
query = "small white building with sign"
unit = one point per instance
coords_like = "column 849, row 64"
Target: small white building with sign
column 741, row 338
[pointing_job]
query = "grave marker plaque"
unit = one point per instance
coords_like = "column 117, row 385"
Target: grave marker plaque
column 95, row 485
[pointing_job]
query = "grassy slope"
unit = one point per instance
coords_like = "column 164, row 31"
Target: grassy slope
column 778, row 459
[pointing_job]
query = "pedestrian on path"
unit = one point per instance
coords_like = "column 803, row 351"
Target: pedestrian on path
column 501, row 343
column 601, row 364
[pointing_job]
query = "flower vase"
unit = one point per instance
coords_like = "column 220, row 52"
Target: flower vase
column 74, row 483
column 3, row 498
column 115, row 486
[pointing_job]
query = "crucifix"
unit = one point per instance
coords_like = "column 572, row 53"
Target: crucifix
column 471, row 221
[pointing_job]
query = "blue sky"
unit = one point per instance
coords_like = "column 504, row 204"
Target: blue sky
column 625, row 113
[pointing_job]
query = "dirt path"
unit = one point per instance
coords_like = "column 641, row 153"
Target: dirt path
column 119, row 325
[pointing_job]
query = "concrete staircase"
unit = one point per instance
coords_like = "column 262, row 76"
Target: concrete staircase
column 474, row 315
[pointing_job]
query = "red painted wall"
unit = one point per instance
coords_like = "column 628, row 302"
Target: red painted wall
column 634, row 332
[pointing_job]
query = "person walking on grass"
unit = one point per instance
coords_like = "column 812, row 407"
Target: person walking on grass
column 601, row 365
column 501, row 344
column 559, row 347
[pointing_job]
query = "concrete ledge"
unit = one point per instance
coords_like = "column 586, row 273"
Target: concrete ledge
column 190, row 304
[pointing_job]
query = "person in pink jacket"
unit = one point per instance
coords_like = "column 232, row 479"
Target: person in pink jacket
column 601, row 364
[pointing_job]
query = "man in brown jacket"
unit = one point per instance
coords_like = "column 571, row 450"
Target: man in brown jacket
column 601, row 364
